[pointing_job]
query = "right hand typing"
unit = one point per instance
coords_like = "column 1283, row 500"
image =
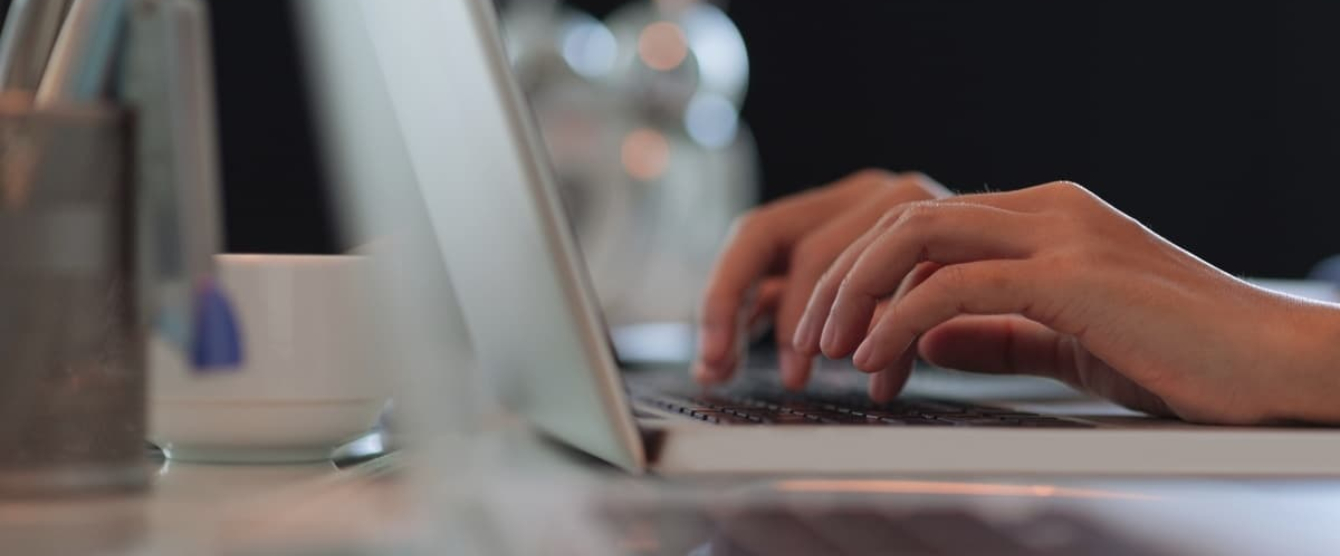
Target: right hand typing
column 776, row 255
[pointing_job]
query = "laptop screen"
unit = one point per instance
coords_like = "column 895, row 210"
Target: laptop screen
column 434, row 152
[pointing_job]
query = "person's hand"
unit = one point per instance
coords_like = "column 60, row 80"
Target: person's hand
column 777, row 253
column 1053, row 281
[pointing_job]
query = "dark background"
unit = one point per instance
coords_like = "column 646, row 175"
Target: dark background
column 1216, row 123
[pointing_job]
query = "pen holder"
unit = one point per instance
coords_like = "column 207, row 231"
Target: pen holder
column 72, row 350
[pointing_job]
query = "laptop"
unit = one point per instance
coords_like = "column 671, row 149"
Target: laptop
column 418, row 95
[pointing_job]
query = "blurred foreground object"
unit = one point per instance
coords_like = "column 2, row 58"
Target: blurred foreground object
column 72, row 413
column 641, row 119
column 167, row 79
column 108, row 224
column 418, row 333
column 309, row 383
column 30, row 32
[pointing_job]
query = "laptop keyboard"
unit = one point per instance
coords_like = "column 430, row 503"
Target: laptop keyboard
column 794, row 409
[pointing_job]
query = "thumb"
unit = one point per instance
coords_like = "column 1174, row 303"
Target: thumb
column 1011, row 344
column 1005, row 344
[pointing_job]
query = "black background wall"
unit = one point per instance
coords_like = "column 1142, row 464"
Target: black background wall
column 273, row 186
column 1216, row 123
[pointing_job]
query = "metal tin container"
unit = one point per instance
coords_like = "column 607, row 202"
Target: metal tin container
column 72, row 359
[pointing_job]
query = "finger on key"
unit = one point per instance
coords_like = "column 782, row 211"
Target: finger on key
column 810, row 327
column 811, row 257
column 758, row 246
column 943, row 233
column 887, row 384
column 995, row 287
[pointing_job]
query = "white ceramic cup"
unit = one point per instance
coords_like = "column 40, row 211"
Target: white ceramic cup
column 308, row 383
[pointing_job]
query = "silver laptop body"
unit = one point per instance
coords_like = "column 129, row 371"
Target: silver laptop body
column 416, row 96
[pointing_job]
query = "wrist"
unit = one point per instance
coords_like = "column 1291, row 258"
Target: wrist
column 1308, row 386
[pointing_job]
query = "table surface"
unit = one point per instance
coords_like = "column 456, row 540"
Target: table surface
column 510, row 491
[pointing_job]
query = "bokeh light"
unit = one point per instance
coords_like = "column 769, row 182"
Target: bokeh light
column 662, row 46
column 719, row 49
column 588, row 47
column 711, row 120
column 645, row 154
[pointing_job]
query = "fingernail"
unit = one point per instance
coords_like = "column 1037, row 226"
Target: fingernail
column 863, row 355
column 712, row 343
column 829, row 343
column 806, row 339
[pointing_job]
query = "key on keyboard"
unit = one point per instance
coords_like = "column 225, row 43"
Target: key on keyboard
column 854, row 410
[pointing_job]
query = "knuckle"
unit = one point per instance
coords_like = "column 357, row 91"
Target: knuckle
column 866, row 180
column 954, row 277
column 829, row 279
column 992, row 279
column 923, row 185
column 1075, row 267
column 1081, row 228
column 1090, row 258
column 873, row 176
column 891, row 216
column 1074, row 227
column 750, row 221
column 847, row 286
column 920, row 214
column 826, row 293
column 1069, row 190
column 821, row 288
column 1065, row 185
column 967, row 277
column 915, row 177
column 807, row 255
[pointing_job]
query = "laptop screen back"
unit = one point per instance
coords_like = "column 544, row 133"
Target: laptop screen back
column 421, row 113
